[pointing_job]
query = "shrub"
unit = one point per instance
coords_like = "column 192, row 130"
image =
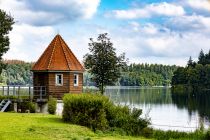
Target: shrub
column 147, row 132
column 127, row 119
column 207, row 135
column 52, row 105
column 26, row 105
column 86, row 110
column 98, row 113
column 173, row 135
column 32, row 107
column 7, row 97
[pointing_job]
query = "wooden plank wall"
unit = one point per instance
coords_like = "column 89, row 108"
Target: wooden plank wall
column 58, row 91
column 48, row 80
column 76, row 89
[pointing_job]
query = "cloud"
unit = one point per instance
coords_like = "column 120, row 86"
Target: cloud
column 199, row 4
column 28, row 42
column 182, row 61
column 153, row 43
column 45, row 12
column 193, row 23
column 154, row 9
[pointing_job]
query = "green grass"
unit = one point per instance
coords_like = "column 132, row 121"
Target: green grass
column 17, row 126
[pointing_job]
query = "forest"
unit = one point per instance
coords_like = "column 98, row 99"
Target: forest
column 147, row 75
column 142, row 75
column 18, row 72
column 195, row 74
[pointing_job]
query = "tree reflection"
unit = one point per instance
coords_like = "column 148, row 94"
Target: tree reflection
column 193, row 101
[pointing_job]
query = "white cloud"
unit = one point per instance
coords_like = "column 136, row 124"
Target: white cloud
column 194, row 23
column 154, row 9
column 45, row 12
column 161, row 46
column 199, row 4
column 182, row 61
column 28, row 42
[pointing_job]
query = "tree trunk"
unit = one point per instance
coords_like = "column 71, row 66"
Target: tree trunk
column 102, row 88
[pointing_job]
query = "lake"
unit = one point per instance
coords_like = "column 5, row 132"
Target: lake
column 167, row 111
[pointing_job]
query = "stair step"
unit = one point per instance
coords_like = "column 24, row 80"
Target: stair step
column 4, row 104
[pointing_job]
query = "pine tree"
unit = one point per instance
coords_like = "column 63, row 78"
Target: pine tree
column 201, row 58
column 190, row 62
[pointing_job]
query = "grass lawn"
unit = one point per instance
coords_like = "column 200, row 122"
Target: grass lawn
column 17, row 126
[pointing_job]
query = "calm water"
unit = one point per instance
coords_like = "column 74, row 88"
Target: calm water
column 167, row 111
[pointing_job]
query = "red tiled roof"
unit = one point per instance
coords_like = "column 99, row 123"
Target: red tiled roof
column 58, row 57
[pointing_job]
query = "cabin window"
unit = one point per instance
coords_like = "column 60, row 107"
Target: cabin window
column 76, row 79
column 59, row 79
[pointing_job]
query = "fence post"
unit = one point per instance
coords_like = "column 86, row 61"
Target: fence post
column 13, row 90
column 3, row 90
column 18, row 92
column 29, row 92
column 7, row 91
column 40, row 92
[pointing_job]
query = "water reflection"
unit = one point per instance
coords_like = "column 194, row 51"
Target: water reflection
column 139, row 95
column 167, row 110
column 194, row 102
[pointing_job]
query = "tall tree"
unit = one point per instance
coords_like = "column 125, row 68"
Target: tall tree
column 6, row 22
column 103, row 63
column 191, row 63
column 201, row 58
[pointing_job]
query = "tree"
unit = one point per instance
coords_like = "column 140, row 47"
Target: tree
column 190, row 63
column 103, row 63
column 201, row 58
column 6, row 22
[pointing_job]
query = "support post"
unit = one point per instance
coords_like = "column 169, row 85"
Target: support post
column 18, row 92
column 7, row 91
column 29, row 92
column 3, row 90
column 40, row 92
column 13, row 91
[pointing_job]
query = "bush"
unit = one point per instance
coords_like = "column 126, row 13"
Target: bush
column 173, row 135
column 86, row 110
column 32, row 107
column 147, row 132
column 98, row 113
column 26, row 105
column 128, row 120
column 52, row 103
column 207, row 135
column 7, row 97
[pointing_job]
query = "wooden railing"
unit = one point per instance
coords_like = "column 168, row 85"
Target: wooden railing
column 24, row 92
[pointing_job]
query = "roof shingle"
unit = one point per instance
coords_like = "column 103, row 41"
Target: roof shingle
column 57, row 57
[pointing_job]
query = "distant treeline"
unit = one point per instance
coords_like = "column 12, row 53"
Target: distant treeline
column 142, row 75
column 147, row 75
column 195, row 74
column 18, row 73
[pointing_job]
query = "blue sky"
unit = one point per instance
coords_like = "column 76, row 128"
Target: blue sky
column 148, row 31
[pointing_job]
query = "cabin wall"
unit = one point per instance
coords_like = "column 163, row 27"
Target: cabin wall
column 79, row 88
column 57, row 91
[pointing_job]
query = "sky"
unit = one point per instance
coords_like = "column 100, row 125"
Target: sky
column 148, row 31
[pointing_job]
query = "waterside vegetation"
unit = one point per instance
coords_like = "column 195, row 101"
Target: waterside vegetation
column 195, row 76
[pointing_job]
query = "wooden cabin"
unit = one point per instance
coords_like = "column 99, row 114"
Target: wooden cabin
column 57, row 71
